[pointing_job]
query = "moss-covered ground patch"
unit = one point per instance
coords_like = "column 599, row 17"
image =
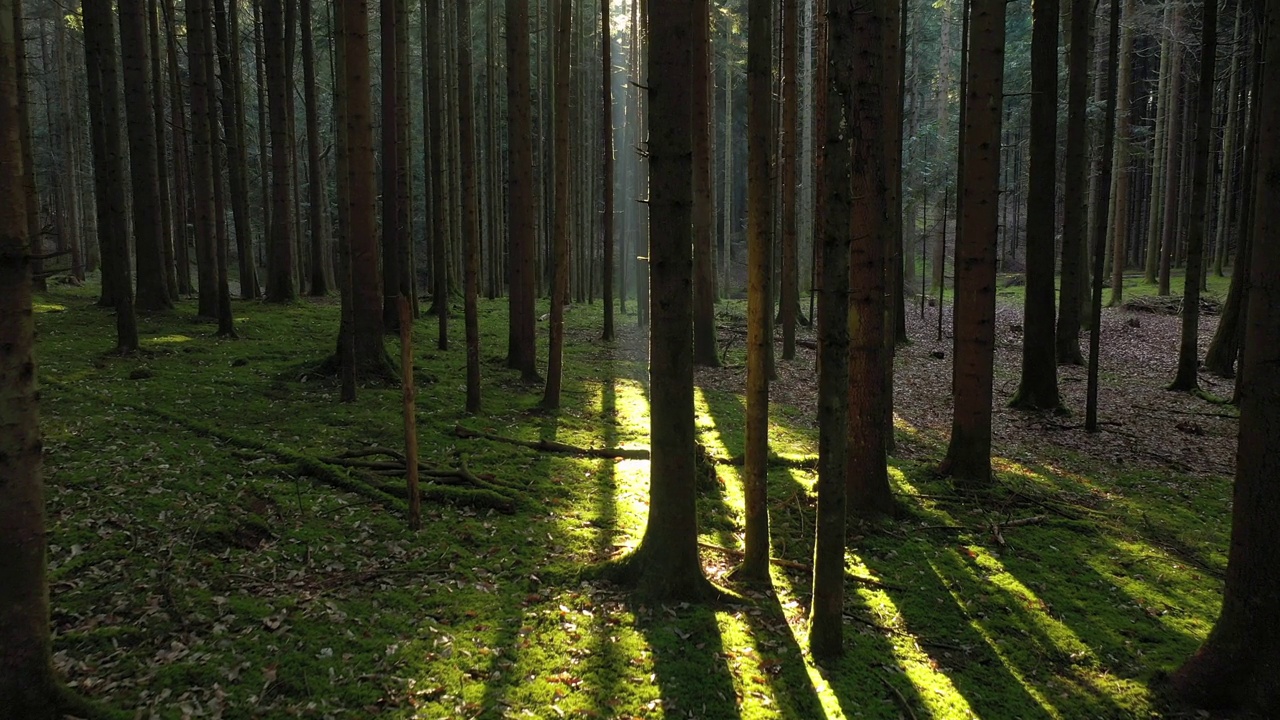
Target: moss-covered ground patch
column 198, row 569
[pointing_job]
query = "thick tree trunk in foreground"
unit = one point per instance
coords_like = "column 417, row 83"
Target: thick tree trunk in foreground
column 27, row 687
column 1038, row 389
column 1238, row 667
column 1187, row 376
column 969, row 453
column 666, row 566
column 826, row 622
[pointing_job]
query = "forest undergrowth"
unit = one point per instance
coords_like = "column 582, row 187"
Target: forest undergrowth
column 206, row 561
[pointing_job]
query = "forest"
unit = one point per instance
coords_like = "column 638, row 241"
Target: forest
column 628, row 359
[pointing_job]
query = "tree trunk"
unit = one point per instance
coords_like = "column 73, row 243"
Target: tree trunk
column 704, row 273
column 27, row 685
column 1224, row 349
column 560, row 239
column 1158, row 168
column 755, row 563
column 163, row 177
column 317, row 195
column 788, row 159
column 521, row 195
column 1121, row 165
column 1172, row 163
column 1075, row 186
column 1187, row 375
column 470, row 207
column 1038, row 389
column 69, row 154
column 1236, row 668
column 826, row 616
column 1101, row 191
column 281, row 285
column 370, row 353
column 606, row 128
column 153, row 293
column 665, row 566
column 1229, row 184
column 228, row 34
column 969, row 453
column 393, row 232
column 108, row 160
column 867, row 479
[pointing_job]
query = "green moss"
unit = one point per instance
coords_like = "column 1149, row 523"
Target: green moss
column 194, row 561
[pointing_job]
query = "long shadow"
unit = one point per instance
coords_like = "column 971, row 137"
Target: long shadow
column 690, row 665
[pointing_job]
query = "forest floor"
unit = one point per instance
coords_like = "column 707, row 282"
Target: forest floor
column 206, row 560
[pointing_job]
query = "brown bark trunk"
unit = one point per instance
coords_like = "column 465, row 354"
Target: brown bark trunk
column 1187, row 375
column 1173, row 162
column 867, row 478
column 317, row 195
column 1038, row 389
column 666, row 566
column 969, row 454
column 1237, row 666
column 606, row 144
column 826, row 616
column 704, row 267
column 470, row 207
column 789, row 297
column 560, row 233
column 755, row 562
column 104, row 112
column 281, row 284
column 1075, row 186
column 27, row 687
column 228, row 35
column 370, row 353
column 1122, row 170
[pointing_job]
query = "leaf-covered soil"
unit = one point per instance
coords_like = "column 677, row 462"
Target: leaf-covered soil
column 201, row 565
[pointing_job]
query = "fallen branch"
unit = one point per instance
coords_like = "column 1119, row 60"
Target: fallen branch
column 1175, row 411
column 902, row 701
column 555, row 446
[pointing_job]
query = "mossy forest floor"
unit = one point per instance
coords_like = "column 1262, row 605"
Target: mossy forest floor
column 201, row 566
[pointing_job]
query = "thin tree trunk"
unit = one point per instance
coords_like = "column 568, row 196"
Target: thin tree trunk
column 1187, row 375
column 317, row 197
column 233, row 127
column 560, row 290
column 704, row 275
column 1122, row 166
column 789, row 298
column 470, row 206
column 1075, row 186
column 281, row 283
column 606, row 144
column 1173, row 141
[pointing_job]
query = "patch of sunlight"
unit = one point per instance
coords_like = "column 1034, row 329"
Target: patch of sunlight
column 167, row 340
column 936, row 691
column 1005, row 465
column 900, row 424
column 48, row 308
column 705, row 422
column 1062, row 637
column 747, row 666
column 787, row 441
column 1157, row 588
column 631, row 477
